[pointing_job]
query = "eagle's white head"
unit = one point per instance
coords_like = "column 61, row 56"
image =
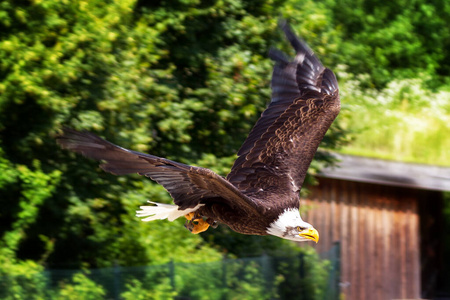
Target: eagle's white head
column 290, row 226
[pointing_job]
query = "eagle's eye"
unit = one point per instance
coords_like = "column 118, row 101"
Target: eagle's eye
column 300, row 228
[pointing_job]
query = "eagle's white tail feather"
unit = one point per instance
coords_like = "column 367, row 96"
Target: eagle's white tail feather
column 160, row 211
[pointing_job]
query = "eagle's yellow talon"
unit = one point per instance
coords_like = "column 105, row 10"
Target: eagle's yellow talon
column 196, row 225
column 189, row 216
column 201, row 226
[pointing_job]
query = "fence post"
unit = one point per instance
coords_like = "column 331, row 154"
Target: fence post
column 267, row 272
column 224, row 278
column 337, row 267
column 333, row 290
column 302, row 275
column 172, row 274
column 116, row 280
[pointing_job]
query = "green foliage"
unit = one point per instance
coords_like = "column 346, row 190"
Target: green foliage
column 403, row 121
column 302, row 276
column 310, row 282
column 21, row 279
column 185, row 80
column 136, row 290
column 399, row 39
column 81, row 287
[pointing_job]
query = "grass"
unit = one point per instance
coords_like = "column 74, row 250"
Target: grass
column 403, row 122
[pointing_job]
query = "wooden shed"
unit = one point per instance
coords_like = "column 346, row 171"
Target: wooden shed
column 388, row 218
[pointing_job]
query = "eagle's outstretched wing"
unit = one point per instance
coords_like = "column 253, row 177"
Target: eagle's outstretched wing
column 188, row 185
column 273, row 160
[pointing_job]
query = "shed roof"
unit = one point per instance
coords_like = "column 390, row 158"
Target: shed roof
column 386, row 172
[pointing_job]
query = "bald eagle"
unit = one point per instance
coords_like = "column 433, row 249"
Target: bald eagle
column 260, row 196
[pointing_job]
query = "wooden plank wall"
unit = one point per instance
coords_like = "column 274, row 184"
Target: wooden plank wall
column 378, row 227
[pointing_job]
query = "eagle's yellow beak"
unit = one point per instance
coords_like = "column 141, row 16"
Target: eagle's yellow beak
column 310, row 233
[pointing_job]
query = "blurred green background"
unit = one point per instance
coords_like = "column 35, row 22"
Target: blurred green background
column 187, row 80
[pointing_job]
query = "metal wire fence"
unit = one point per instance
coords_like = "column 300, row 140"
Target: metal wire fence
column 303, row 277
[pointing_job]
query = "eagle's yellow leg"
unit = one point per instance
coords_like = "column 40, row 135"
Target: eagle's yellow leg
column 197, row 225
column 190, row 215
column 201, row 226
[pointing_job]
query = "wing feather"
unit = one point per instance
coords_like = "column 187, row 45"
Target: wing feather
column 188, row 185
column 273, row 161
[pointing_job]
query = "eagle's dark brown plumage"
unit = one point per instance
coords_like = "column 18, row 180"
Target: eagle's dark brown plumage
column 261, row 193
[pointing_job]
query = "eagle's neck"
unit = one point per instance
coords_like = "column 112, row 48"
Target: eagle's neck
column 289, row 218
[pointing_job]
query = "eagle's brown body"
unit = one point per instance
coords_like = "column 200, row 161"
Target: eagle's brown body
column 268, row 174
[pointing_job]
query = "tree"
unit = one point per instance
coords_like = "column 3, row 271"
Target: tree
column 180, row 79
